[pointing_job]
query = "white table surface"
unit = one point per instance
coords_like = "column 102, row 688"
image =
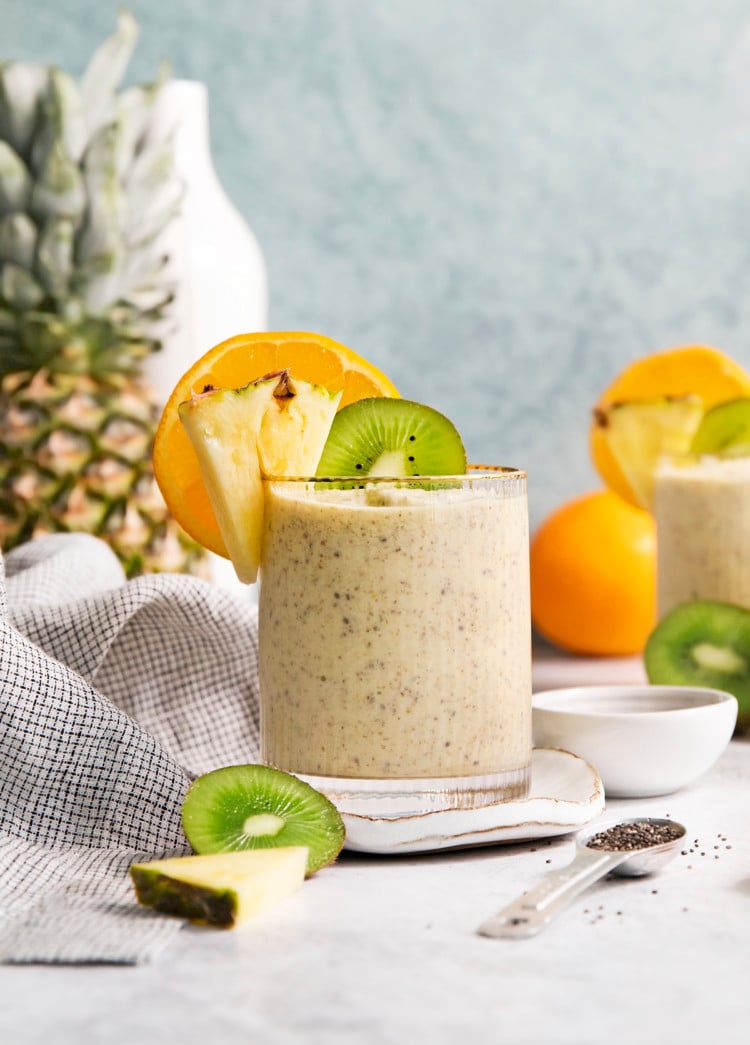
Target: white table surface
column 383, row 950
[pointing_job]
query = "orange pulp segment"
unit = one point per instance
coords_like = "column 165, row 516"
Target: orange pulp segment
column 233, row 364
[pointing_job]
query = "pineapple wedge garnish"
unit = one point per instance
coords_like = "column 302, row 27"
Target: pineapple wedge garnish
column 640, row 433
column 295, row 427
column 274, row 426
column 223, row 889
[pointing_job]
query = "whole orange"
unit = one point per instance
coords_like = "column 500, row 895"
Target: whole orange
column 593, row 576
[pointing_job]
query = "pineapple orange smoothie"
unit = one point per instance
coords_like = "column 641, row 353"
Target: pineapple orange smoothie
column 395, row 630
column 702, row 513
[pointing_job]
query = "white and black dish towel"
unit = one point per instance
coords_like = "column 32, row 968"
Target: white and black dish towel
column 114, row 694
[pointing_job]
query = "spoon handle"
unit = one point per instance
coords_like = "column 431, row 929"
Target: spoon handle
column 531, row 911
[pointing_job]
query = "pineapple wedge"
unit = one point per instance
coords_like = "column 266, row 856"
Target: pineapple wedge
column 274, row 426
column 639, row 433
column 223, row 425
column 295, row 427
column 224, row 889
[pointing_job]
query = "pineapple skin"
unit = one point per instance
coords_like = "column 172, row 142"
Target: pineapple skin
column 221, row 889
column 170, row 896
column 75, row 456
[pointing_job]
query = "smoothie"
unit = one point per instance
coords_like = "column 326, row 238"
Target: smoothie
column 395, row 630
column 702, row 513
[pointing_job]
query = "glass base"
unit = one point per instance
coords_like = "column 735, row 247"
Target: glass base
column 390, row 799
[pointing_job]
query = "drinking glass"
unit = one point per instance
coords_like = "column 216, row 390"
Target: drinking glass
column 395, row 637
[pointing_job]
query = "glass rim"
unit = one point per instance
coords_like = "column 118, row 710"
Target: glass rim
column 474, row 472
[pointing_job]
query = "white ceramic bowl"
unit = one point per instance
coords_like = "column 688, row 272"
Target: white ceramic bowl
column 643, row 740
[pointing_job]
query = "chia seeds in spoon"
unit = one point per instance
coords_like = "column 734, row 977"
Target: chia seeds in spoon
column 640, row 835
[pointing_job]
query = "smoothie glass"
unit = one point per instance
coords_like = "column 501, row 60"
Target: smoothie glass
column 395, row 648
column 702, row 512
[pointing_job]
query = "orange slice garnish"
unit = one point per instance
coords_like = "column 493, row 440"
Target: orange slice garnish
column 233, row 364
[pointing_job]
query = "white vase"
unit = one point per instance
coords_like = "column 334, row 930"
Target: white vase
column 214, row 258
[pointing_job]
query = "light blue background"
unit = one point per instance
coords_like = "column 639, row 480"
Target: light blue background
column 500, row 203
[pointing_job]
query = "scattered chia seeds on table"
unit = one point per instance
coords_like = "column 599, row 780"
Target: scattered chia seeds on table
column 641, row 835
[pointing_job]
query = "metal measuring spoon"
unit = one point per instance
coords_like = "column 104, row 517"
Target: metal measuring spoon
column 529, row 913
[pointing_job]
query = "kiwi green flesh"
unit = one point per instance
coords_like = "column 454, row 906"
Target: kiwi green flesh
column 396, row 437
column 219, row 805
column 724, row 430
column 703, row 643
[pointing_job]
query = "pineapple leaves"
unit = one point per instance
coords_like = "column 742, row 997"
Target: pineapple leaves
column 21, row 87
column 100, row 243
column 134, row 112
column 105, row 71
column 17, row 240
column 15, row 181
column 61, row 120
column 59, row 190
column 54, row 262
column 154, row 193
column 88, row 186
column 19, row 288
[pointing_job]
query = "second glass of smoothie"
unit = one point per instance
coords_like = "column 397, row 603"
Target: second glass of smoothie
column 395, row 648
column 702, row 512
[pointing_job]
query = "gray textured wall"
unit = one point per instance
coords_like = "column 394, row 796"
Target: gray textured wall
column 499, row 202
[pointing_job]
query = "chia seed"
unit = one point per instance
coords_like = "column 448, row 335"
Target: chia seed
column 641, row 835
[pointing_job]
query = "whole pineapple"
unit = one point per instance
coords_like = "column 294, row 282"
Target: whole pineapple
column 84, row 293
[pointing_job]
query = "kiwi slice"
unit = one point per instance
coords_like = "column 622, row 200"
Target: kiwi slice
column 724, row 430
column 259, row 807
column 391, row 437
column 703, row 643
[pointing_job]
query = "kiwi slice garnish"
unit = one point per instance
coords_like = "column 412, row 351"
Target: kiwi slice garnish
column 259, row 807
column 724, row 430
column 391, row 437
column 703, row 643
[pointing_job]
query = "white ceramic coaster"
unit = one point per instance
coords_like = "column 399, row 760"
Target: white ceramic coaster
column 566, row 793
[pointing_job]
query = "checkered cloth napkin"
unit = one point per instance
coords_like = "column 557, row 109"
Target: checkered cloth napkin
column 113, row 696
